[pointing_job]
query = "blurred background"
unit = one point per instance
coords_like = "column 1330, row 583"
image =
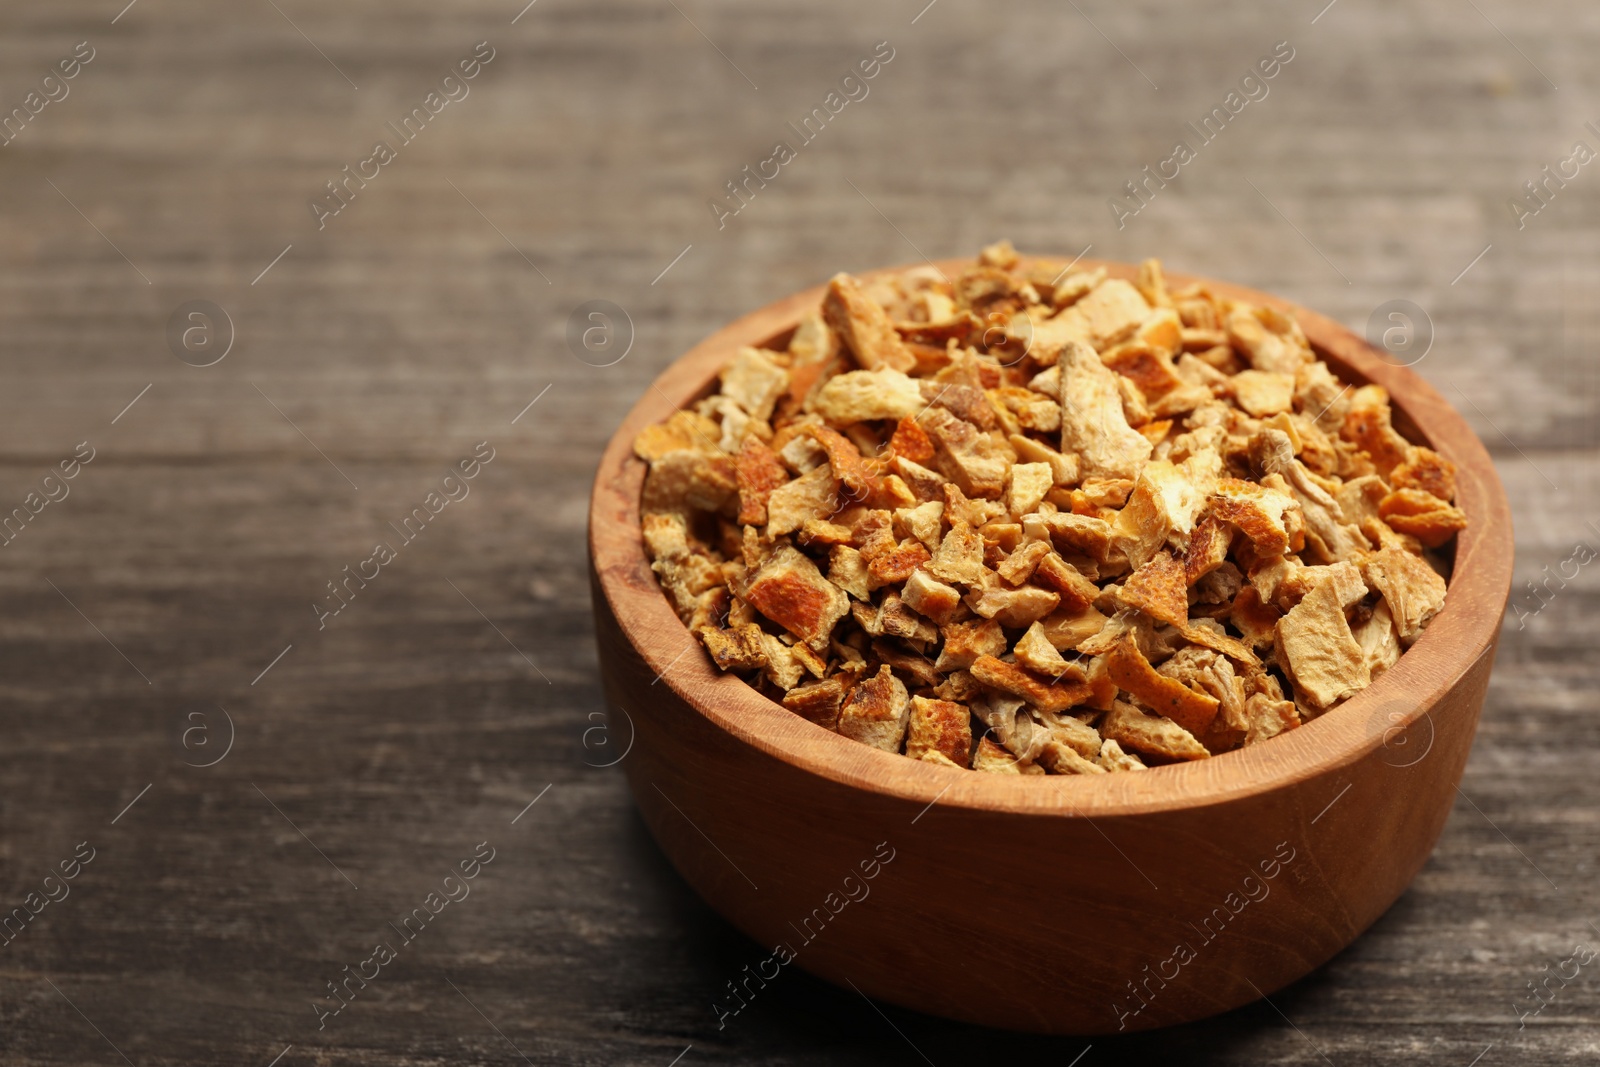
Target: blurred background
column 257, row 342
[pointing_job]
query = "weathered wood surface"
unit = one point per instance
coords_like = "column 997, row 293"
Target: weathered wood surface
column 191, row 549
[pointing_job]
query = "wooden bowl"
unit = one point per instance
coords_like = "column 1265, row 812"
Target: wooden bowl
column 1050, row 904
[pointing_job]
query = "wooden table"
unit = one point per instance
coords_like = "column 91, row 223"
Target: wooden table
column 166, row 603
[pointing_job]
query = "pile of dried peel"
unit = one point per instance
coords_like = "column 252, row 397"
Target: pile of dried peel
column 1029, row 520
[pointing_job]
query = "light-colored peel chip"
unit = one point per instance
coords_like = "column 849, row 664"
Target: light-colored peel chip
column 1108, row 313
column 1166, row 500
column 969, row 458
column 811, row 496
column 1061, row 758
column 784, row 668
column 1113, row 758
column 1070, row 730
column 1022, row 562
column 1197, row 632
column 864, row 326
column 800, row 451
column 1152, row 735
column 925, row 484
column 754, row 382
column 1035, row 652
column 1207, row 672
column 735, row 424
column 995, row 759
column 1269, row 340
column 1277, row 580
column 1262, row 393
column 1321, row 396
column 860, row 395
column 1084, row 534
column 1197, row 311
column 1348, row 584
column 1359, row 498
column 1076, row 286
column 924, row 522
column 1093, row 424
column 665, row 536
column 1063, row 468
column 959, row 560
column 1334, row 538
column 686, row 480
column 1029, row 483
column 1152, row 284
column 1316, row 648
column 1012, row 607
column 1069, row 629
column 813, row 342
column 996, row 710
column 823, row 532
column 1411, row 589
column 1032, row 412
column 931, row 597
column 897, row 619
column 1383, row 535
column 1380, row 644
column 877, row 712
column 1289, row 583
column 848, row 571
column 1269, row 717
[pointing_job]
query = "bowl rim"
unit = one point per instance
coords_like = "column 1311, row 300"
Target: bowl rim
column 1462, row 633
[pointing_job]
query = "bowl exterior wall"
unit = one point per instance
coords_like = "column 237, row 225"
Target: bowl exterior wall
column 1051, row 923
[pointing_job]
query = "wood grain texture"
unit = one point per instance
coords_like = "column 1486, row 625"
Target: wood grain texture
column 410, row 329
column 1098, row 889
